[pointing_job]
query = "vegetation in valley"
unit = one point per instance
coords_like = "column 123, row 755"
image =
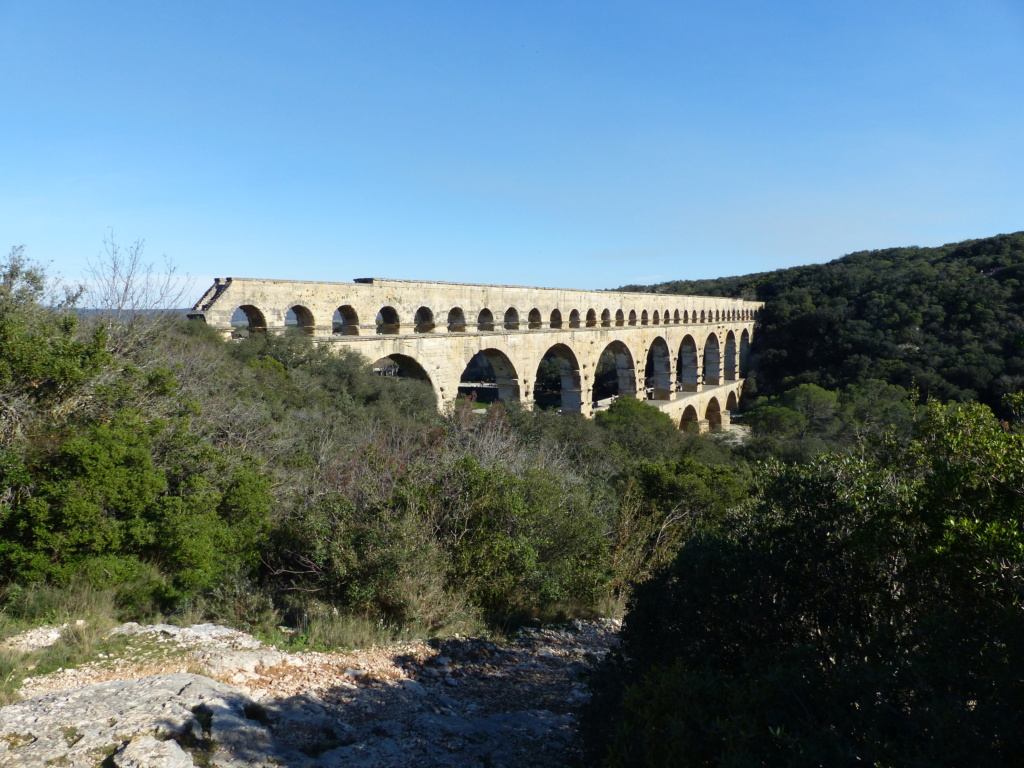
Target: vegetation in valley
column 947, row 321
column 843, row 587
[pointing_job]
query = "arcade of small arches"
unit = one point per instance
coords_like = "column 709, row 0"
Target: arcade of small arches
column 572, row 350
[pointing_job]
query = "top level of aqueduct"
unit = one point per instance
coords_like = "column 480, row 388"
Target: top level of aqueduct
column 670, row 349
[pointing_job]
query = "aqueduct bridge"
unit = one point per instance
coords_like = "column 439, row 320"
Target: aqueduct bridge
column 684, row 354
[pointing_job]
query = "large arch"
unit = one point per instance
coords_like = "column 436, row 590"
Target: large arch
column 402, row 366
column 658, row 373
column 615, row 373
column 490, row 375
column 346, row 321
column 300, row 318
column 687, row 365
column 729, row 361
column 744, row 351
column 387, row 320
column 690, row 421
column 557, row 382
column 712, row 360
column 731, row 402
column 251, row 317
column 713, row 413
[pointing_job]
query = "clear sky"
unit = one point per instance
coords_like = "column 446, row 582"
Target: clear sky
column 574, row 144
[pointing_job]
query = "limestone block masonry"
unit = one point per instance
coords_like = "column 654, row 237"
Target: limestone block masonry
column 684, row 354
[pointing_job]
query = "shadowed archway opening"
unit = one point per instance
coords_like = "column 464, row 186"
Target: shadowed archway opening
column 690, row 422
column 712, row 361
column 658, row 372
column 298, row 318
column 345, row 321
column 558, row 380
column 387, row 320
column 620, row 318
column 424, row 320
column 713, row 413
column 632, row 317
column 485, row 320
column 511, row 319
column 731, row 402
column 574, row 319
column 456, row 320
column 489, row 376
column 687, row 366
column 247, row 319
column 556, row 319
column 591, row 318
column 656, row 320
column 644, row 318
column 401, row 366
column 729, row 361
column 615, row 375
column 606, row 319
column 534, row 320
column 744, row 352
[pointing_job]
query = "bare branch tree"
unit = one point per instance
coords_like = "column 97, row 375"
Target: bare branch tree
column 132, row 299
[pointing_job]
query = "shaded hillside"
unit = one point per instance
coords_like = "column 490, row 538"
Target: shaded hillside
column 949, row 320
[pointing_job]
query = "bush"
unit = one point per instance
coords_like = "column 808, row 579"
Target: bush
column 863, row 611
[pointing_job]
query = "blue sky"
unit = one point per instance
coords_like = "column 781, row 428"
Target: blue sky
column 574, row 144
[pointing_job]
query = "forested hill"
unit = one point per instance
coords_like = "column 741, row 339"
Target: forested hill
column 949, row 320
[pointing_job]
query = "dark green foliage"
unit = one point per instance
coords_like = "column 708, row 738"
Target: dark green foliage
column 948, row 321
column 862, row 611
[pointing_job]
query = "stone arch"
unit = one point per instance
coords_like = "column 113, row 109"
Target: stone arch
column 665, row 317
column 511, row 319
column 387, row 320
column 729, row 362
column 690, row 422
column 574, row 319
column 490, row 375
column 300, row 318
column 565, row 377
column 620, row 318
column 485, row 320
column 614, row 373
column 456, row 320
column 423, row 320
column 656, row 319
column 632, row 317
column 702, row 316
column 712, row 360
column 718, row 316
column 713, row 414
column 252, row 317
column 731, row 402
column 533, row 319
column 687, row 366
column 644, row 318
column 606, row 319
column 744, row 351
column 346, row 321
column 686, row 316
column 658, row 373
column 556, row 319
column 404, row 366
column 591, row 318
column 675, row 317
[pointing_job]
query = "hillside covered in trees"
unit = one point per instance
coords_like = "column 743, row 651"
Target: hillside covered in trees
column 948, row 321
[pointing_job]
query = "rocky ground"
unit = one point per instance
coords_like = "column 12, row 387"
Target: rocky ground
column 210, row 696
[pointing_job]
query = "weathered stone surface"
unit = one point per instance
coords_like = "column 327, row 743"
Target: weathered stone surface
column 447, row 704
column 149, row 752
